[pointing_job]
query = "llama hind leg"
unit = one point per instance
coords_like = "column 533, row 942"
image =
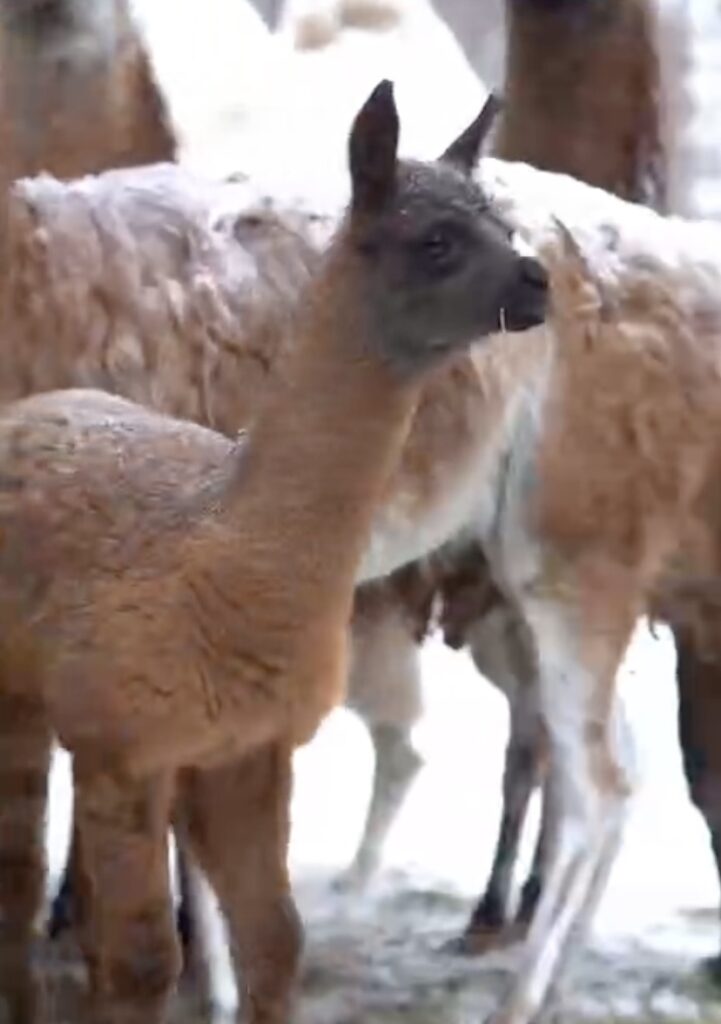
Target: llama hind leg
column 25, row 745
column 396, row 766
column 385, row 691
column 235, row 819
column 127, row 927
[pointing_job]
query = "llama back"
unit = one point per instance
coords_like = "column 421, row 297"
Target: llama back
column 153, row 284
column 624, row 244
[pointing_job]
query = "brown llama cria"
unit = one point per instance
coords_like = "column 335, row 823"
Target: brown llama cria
column 174, row 605
column 77, row 91
column 177, row 293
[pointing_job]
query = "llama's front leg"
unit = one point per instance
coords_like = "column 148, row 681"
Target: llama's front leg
column 384, row 689
column 573, row 944
column 578, row 660
column 25, row 745
column 236, row 819
column 128, row 933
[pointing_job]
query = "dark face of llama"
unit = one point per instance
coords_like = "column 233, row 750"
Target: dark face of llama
column 438, row 266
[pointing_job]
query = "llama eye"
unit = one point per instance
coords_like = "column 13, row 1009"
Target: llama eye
column 439, row 248
column 437, row 245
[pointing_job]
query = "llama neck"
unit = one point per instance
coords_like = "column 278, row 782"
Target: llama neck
column 328, row 435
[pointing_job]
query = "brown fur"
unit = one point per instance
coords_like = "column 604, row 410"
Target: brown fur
column 172, row 598
column 77, row 92
column 179, row 294
column 582, row 87
column 632, row 393
column 151, row 290
column 159, row 567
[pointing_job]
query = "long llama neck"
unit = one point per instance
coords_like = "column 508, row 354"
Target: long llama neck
column 305, row 485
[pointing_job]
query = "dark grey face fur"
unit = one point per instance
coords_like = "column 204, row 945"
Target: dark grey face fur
column 437, row 261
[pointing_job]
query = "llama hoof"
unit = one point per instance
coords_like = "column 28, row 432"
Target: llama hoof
column 480, row 940
column 354, row 879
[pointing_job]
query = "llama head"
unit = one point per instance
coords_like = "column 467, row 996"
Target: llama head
column 436, row 263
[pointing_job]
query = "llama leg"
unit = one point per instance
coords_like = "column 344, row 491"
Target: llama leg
column 487, row 927
column 396, row 766
column 385, row 690
column 185, row 921
column 533, row 885
column 578, row 660
column 25, row 746
column 62, row 911
column 699, row 693
column 196, row 978
column 236, row 819
column 607, row 858
column 128, row 931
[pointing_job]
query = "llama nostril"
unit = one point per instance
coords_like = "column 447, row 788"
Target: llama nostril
column 533, row 273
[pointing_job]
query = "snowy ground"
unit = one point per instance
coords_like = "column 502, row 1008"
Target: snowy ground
column 377, row 960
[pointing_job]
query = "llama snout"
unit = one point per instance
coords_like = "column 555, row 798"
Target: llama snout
column 526, row 302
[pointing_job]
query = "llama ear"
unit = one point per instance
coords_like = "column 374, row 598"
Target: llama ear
column 572, row 250
column 578, row 270
column 464, row 152
column 373, row 149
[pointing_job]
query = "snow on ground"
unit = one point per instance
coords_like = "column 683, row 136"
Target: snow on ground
column 246, row 101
